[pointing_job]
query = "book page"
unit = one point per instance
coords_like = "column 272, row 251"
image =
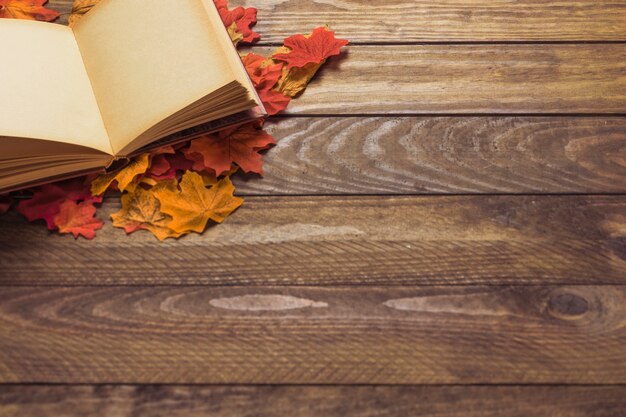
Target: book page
column 148, row 60
column 46, row 93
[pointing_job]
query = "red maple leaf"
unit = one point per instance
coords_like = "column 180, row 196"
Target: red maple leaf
column 313, row 49
column 47, row 199
column 244, row 18
column 26, row 9
column 78, row 219
column 240, row 145
column 273, row 101
column 265, row 79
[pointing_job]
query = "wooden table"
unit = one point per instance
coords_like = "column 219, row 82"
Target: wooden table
column 441, row 230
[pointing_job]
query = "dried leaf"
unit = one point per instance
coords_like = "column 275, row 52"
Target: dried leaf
column 27, row 9
column 295, row 80
column 125, row 177
column 265, row 73
column 79, row 9
column 141, row 211
column 78, row 219
column 235, row 36
column 47, row 199
column 315, row 48
column 194, row 205
column 243, row 18
column 241, row 145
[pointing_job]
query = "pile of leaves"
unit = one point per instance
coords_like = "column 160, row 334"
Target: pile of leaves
column 180, row 189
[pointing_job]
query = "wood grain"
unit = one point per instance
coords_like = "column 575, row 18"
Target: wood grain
column 420, row 155
column 410, row 335
column 406, row 21
column 344, row 240
column 311, row 401
column 469, row 79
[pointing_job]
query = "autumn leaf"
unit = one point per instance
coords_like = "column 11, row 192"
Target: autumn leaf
column 141, row 211
column 194, row 205
column 79, row 9
column 295, row 80
column 125, row 177
column 78, row 219
column 235, row 36
column 274, row 101
column 240, row 145
column 47, row 199
column 265, row 73
column 316, row 48
column 27, row 9
column 167, row 165
column 242, row 18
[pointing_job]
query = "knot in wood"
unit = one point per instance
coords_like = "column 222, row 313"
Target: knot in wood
column 568, row 305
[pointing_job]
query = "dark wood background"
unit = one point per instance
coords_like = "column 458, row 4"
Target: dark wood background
column 441, row 231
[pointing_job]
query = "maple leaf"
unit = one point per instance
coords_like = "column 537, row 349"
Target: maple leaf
column 240, row 145
column 243, row 18
column 47, row 199
column 78, row 219
column 27, row 9
column 265, row 73
column 315, row 48
column 79, row 9
column 166, row 165
column 141, row 211
column 125, row 177
column 295, row 80
column 235, row 36
column 194, row 205
column 273, row 101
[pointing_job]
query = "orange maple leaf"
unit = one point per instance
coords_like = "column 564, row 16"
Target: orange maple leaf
column 125, row 177
column 78, row 219
column 239, row 145
column 141, row 211
column 26, row 9
column 194, row 205
column 316, row 48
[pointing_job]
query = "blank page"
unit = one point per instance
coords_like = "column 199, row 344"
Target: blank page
column 149, row 59
column 45, row 91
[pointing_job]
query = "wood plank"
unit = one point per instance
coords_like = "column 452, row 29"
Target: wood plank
column 311, row 401
column 422, row 155
column 344, row 240
column 469, row 79
column 406, row 21
column 375, row 335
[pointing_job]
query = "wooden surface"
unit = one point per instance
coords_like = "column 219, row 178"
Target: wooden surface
column 443, row 155
column 312, row 401
column 445, row 210
column 372, row 335
column 358, row 240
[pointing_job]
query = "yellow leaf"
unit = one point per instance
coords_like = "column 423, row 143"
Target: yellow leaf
column 295, row 80
column 80, row 8
column 194, row 205
column 234, row 33
column 141, row 211
column 125, row 177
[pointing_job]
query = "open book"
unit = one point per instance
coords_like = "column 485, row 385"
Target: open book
column 130, row 76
